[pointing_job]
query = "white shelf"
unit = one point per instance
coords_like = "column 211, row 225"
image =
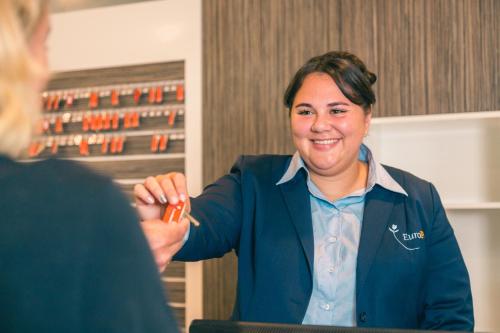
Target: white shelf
column 471, row 205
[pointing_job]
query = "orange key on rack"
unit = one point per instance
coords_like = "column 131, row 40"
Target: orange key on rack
column 106, row 121
column 155, row 140
column 119, row 144
column 48, row 103
column 134, row 119
column 58, row 127
column 104, row 146
column 70, row 99
column 115, row 121
column 152, row 95
column 159, row 95
column 179, row 93
column 163, row 143
column 54, row 148
column 93, row 100
column 137, row 96
column 171, row 118
column 85, row 123
column 56, row 102
column 126, row 120
column 115, row 98
column 112, row 145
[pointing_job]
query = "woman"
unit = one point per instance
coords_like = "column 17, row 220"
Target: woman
column 326, row 236
column 72, row 255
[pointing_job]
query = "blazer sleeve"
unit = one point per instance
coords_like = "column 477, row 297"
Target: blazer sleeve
column 448, row 298
column 122, row 291
column 220, row 212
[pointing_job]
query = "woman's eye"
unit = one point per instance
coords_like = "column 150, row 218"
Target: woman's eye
column 337, row 111
column 304, row 112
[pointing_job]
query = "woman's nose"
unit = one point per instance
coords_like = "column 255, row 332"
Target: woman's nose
column 321, row 123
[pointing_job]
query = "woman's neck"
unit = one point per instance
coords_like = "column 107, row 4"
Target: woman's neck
column 348, row 181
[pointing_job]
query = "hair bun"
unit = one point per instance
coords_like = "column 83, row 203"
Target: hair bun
column 371, row 77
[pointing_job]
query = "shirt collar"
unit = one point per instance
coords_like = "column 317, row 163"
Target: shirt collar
column 377, row 174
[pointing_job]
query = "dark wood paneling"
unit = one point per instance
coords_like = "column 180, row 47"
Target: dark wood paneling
column 175, row 269
column 118, row 75
column 430, row 56
column 175, row 291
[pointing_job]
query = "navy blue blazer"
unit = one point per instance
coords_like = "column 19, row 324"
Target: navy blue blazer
column 410, row 272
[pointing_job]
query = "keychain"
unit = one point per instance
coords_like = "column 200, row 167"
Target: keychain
column 174, row 213
column 54, row 147
column 119, row 144
column 58, row 127
column 126, row 120
column 56, row 103
column 93, row 100
column 112, row 145
column 159, row 95
column 171, row 118
column 137, row 96
column 151, row 95
column 134, row 119
column 48, row 103
column 104, row 146
column 106, row 121
column 163, row 143
column 115, row 98
column 70, row 100
column 84, row 147
column 179, row 93
column 85, row 123
column 155, row 140
column 115, row 121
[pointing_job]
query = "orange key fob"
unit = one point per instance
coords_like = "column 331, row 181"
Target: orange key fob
column 174, row 212
column 179, row 93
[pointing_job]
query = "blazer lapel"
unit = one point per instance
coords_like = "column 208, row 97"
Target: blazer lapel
column 297, row 200
column 378, row 209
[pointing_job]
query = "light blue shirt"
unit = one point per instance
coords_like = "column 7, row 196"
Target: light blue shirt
column 337, row 229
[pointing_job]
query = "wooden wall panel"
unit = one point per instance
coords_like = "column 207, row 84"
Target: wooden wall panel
column 430, row 56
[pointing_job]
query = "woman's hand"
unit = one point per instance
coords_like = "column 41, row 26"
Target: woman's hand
column 165, row 239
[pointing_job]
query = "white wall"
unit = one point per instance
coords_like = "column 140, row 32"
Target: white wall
column 147, row 32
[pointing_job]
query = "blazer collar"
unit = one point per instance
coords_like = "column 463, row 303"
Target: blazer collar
column 296, row 196
column 378, row 209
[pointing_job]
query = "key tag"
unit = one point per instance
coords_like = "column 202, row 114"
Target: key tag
column 48, row 103
column 155, row 140
column 119, row 144
column 84, row 147
column 171, row 118
column 32, row 150
column 115, row 98
column 163, row 143
column 45, row 125
column 56, row 102
column 58, row 127
column 112, row 145
column 106, row 121
column 126, row 120
column 54, row 147
column 137, row 96
column 179, row 93
column 104, row 145
column 93, row 100
column 159, row 95
column 134, row 119
column 70, row 99
column 115, row 121
column 152, row 95
column 98, row 122
column 174, row 213
column 85, row 123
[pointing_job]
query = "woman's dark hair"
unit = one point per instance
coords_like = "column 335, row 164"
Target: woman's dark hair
column 348, row 72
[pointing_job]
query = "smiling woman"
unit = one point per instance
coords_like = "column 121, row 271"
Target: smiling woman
column 315, row 232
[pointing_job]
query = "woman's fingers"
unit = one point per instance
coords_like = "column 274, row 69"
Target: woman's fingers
column 152, row 185
column 142, row 194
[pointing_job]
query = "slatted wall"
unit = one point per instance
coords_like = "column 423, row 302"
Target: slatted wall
column 431, row 56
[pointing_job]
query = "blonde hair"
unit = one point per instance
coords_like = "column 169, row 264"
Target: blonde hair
column 19, row 100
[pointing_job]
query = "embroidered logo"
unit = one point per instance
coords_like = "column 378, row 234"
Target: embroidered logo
column 406, row 237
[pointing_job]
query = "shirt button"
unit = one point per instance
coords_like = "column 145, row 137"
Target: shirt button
column 331, row 269
column 332, row 239
column 362, row 317
column 326, row 307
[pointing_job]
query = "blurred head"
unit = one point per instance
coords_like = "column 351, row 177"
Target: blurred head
column 24, row 26
column 329, row 101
